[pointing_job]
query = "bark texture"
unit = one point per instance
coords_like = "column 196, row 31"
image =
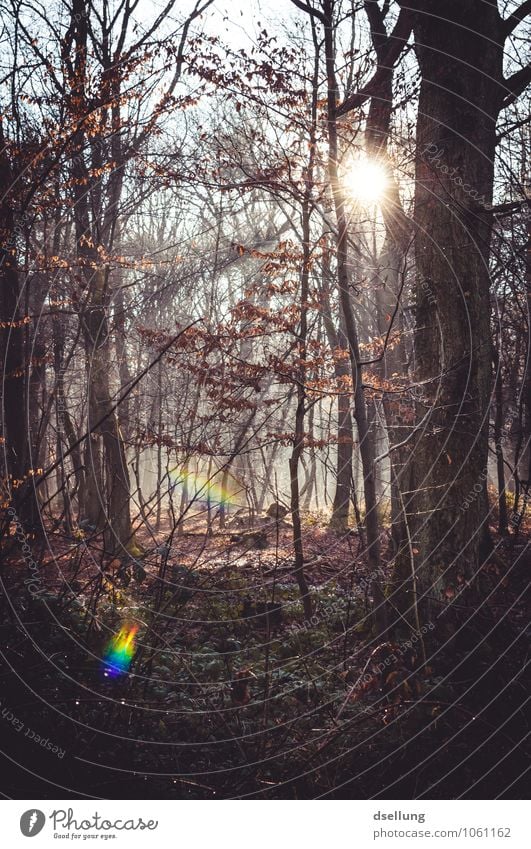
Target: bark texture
column 460, row 98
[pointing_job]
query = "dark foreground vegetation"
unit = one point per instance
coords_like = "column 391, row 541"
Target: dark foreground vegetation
column 233, row 694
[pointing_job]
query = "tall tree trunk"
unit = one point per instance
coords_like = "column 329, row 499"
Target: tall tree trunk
column 115, row 494
column 390, row 277
column 526, row 411
column 18, row 487
column 122, row 358
column 459, row 101
column 36, row 414
column 95, row 228
column 298, row 441
column 302, row 338
column 398, row 407
column 365, row 435
column 337, row 340
column 498, row 445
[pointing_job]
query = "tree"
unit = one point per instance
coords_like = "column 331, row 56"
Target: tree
column 366, row 436
column 460, row 101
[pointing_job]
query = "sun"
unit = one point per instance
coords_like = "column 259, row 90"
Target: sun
column 365, row 180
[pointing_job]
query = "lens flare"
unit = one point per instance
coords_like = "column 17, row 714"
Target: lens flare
column 120, row 651
column 203, row 489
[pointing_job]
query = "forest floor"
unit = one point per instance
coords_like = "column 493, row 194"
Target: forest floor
column 231, row 693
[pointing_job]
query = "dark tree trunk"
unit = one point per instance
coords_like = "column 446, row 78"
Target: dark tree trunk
column 498, row 445
column 337, row 339
column 298, row 441
column 107, row 500
column 345, row 444
column 18, row 487
column 12, row 352
column 459, row 102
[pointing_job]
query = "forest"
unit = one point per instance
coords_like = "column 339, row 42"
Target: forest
column 265, row 431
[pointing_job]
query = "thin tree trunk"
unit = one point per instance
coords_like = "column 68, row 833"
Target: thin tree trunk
column 498, row 444
column 366, row 441
column 298, row 441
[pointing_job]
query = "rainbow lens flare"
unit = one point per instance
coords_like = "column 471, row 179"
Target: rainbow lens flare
column 203, row 489
column 119, row 651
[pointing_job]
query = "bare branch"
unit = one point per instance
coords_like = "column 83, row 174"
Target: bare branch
column 309, row 10
column 516, row 18
column 516, row 84
column 510, row 207
column 388, row 58
column 115, row 406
